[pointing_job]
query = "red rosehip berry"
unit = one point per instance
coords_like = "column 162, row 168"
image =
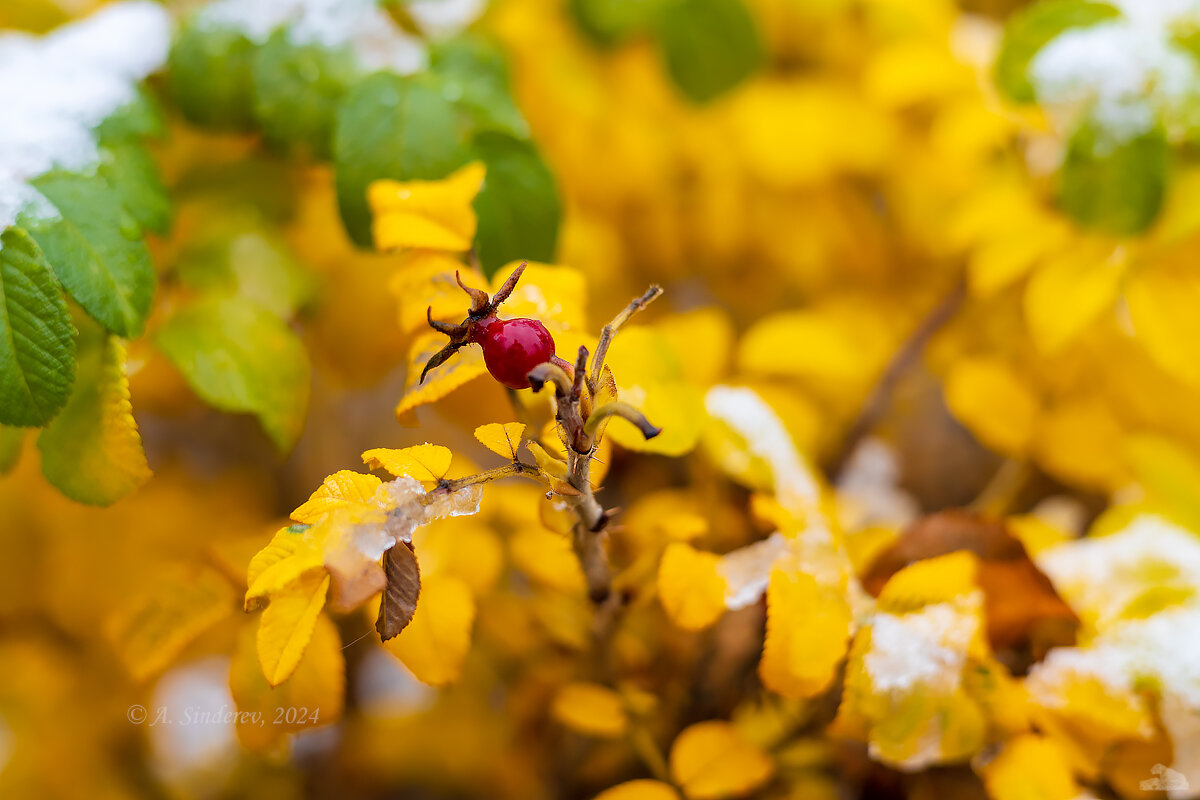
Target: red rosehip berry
column 512, row 347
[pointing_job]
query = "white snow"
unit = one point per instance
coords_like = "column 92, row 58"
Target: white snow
column 747, row 570
column 1125, row 74
column 869, row 492
column 371, row 34
column 441, row 18
column 54, row 90
column 796, row 486
column 1100, row 576
column 923, row 648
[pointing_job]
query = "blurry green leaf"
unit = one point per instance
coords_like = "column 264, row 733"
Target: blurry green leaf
column 518, row 208
column 474, row 72
column 92, row 451
column 609, row 22
column 237, row 258
column 96, row 249
column 37, row 352
column 139, row 119
column 391, row 127
column 131, row 171
column 297, row 89
column 11, row 440
column 210, row 74
column 710, row 45
column 1115, row 187
column 242, row 358
column 1032, row 28
column 265, row 185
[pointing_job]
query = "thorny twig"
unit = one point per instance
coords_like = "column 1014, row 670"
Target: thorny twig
column 610, row 330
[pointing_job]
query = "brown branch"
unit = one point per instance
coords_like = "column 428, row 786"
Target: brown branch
column 902, row 361
column 610, row 330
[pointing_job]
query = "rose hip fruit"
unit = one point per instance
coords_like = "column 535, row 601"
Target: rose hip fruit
column 512, row 347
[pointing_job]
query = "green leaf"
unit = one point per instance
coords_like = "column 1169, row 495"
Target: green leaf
column 297, row 89
column 210, row 73
column 240, row 357
column 610, row 22
column 11, row 440
column 518, row 208
column 141, row 118
column 131, row 171
column 1032, row 28
column 392, row 127
column 1116, row 188
column 96, row 250
column 235, row 256
column 473, row 70
column 709, row 45
column 37, row 351
column 92, row 450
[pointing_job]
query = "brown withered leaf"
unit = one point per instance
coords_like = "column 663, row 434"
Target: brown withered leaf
column 1023, row 609
column 400, row 595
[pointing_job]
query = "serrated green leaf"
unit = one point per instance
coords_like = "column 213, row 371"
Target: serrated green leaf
column 518, row 208
column 130, row 170
column 1032, row 28
column 473, row 70
column 610, row 22
column 297, row 89
column 92, row 450
column 37, row 349
column 11, row 440
column 1115, row 187
column 240, row 357
column 235, row 256
column 210, row 74
column 709, row 45
column 96, row 249
column 392, row 127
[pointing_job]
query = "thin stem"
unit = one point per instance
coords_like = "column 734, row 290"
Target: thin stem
column 902, row 361
column 618, row 408
column 610, row 330
column 508, row 470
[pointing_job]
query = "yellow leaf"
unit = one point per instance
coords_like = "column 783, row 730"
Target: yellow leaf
column 644, row 789
column 1006, row 257
column 591, row 709
column 808, row 631
column 503, row 440
column 993, row 403
column 690, row 587
column 424, row 281
column 934, row 580
column 294, row 552
column 92, row 450
column 312, row 697
column 1163, row 302
column 465, row 366
column 1169, row 474
column 435, row 643
column 437, row 215
column 287, row 626
column 341, row 489
column 556, row 468
column 1079, row 441
column 425, row 462
column 154, row 627
column 546, row 558
column 1031, row 767
column 711, row 760
column 553, row 294
column 702, row 340
column 1070, row 291
column 913, row 71
column 650, row 378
